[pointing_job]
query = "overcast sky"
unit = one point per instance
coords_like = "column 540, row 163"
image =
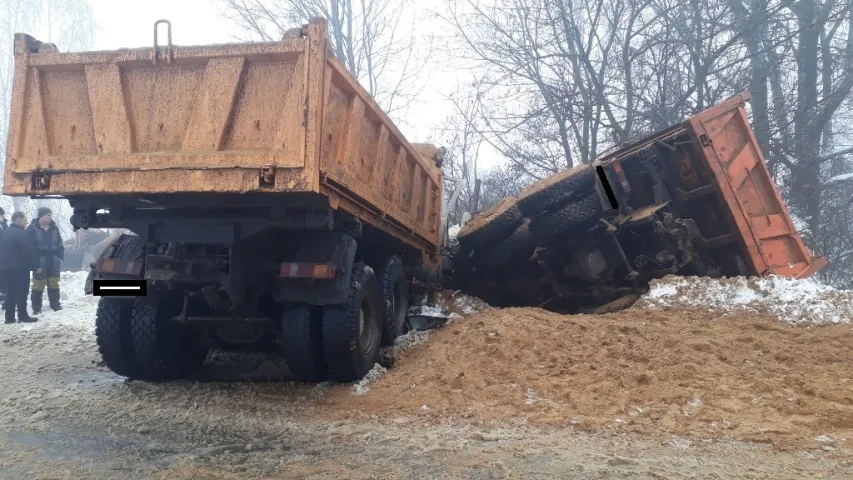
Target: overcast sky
column 129, row 24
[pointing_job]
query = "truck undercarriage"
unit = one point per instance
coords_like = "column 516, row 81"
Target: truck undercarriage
column 252, row 276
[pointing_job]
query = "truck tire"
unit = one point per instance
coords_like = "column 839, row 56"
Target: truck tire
column 565, row 219
column 302, row 333
column 556, row 189
column 352, row 332
column 112, row 331
column 395, row 299
column 519, row 243
column 490, row 225
column 128, row 248
column 164, row 349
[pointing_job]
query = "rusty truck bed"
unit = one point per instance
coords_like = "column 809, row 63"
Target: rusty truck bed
column 725, row 150
column 276, row 117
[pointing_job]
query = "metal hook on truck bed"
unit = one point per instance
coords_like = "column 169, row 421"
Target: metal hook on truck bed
column 156, row 54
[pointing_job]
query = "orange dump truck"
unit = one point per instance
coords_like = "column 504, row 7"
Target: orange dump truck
column 274, row 204
column 695, row 199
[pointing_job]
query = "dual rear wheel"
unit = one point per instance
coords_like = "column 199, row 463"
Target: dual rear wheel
column 138, row 339
column 342, row 342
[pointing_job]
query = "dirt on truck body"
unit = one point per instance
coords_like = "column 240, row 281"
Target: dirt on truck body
column 274, row 204
column 695, row 199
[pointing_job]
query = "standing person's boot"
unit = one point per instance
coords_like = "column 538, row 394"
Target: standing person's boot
column 53, row 298
column 10, row 318
column 27, row 319
column 35, row 299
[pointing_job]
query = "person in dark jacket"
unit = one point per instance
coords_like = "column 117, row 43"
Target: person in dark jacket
column 3, row 226
column 17, row 258
column 48, row 242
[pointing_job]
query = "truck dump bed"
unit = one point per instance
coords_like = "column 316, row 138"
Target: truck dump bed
column 725, row 152
column 694, row 199
column 277, row 117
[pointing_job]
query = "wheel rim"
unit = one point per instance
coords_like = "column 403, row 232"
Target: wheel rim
column 399, row 305
column 366, row 325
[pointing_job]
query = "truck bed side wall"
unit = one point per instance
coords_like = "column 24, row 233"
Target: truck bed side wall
column 369, row 169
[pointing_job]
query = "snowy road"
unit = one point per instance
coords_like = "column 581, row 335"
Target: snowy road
column 63, row 416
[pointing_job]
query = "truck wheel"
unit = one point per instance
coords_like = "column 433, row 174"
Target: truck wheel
column 352, row 332
column 302, row 333
column 395, row 299
column 567, row 218
column 488, row 226
column 556, row 189
column 164, row 349
column 519, row 243
column 112, row 330
column 128, row 248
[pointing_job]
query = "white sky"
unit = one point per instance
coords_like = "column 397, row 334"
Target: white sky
column 130, row 24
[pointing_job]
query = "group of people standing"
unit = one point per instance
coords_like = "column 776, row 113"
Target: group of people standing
column 26, row 247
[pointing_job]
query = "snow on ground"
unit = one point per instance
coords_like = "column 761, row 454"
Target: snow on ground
column 78, row 310
column 70, row 330
column 840, row 178
column 363, row 386
column 453, row 305
column 793, row 301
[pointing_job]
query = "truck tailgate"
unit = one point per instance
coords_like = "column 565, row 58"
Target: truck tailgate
column 731, row 151
column 197, row 119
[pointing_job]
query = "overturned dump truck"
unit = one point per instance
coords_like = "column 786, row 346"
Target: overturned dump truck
column 274, row 204
column 695, row 199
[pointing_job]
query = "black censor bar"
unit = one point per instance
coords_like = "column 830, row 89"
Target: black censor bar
column 607, row 188
column 119, row 288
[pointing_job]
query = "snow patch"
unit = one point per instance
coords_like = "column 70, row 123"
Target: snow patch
column 70, row 330
column 410, row 340
column 793, row 301
column 453, row 231
column 363, row 386
column 451, row 305
column 840, row 178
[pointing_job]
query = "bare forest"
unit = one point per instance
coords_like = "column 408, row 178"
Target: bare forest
column 558, row 82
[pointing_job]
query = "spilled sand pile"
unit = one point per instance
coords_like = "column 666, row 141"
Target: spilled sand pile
column 680, row 372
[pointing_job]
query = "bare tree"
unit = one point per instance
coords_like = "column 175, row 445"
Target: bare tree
column 67, row 23
column 460, row 135
column 566, row 79
column 375, row 39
